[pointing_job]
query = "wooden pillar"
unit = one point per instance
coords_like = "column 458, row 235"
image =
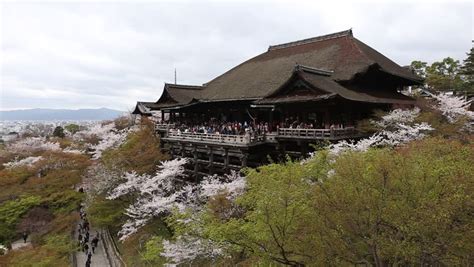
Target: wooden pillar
column 162, row 143
column 183, row 150
column 196, row 164
column 226, row 158
column 162, row 116
column 211, row 161
column 304, row 148
column 283, row 149
column 243, row 159
column 327, row 119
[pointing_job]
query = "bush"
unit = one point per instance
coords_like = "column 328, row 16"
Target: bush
column 105, row 213
column 140, row 152
column 122, row 123
column 58, row 132
column 410, row 206
column 11, row 212
column 72, row 128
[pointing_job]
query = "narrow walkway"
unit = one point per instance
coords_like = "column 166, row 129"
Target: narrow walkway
column 99, row 258
column 20, row 243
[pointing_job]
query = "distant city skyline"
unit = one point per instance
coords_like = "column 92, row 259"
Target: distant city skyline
column 88, row 55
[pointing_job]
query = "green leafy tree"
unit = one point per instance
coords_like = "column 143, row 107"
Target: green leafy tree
column 72, row 128
column 444, row 75
column 58, row 132
column 11, row 213
column 419, row 67
column 410, row 206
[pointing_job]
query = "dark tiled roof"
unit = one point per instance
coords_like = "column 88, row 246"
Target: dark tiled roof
column 330, row 89
column 173, row 95
column 143, row 108
column 334, row 59
column 311, row 40
column 339, row 52
column 179, row 94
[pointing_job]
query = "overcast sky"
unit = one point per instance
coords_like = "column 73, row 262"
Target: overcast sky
column 87, row 55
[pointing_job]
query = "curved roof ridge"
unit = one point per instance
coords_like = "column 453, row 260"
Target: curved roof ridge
column 299, row 67
column 183, row 86
column 384, row 62
column 312, row 40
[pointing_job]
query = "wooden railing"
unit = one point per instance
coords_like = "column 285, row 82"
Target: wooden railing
column 217, row 138
column 316, row 133
column 164, row 126
column 248, row 139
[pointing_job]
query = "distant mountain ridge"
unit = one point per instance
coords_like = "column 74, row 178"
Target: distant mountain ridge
column 40, row 114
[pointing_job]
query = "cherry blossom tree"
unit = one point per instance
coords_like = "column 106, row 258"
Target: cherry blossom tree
column 157, row 195
column 73, row 151
column 397, row 128
column 29, row 161
column 453, row 107
column 109, row 140
column 32, row 144
column 99, row 179
column 98, row 129
column 186, row 248
column 168, row 190
column 107, row 134
column 232, row 184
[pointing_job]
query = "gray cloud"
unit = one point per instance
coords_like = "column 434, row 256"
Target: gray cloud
column 72, row 55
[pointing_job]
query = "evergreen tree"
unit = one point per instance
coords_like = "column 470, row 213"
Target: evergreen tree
column 58, row 132
column 467, row 70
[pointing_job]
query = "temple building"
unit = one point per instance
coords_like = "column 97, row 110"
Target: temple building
column 279, row 102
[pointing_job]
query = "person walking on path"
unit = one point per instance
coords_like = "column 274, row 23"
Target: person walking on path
column 86, row 225
column 89, row 259
column 94, row 242
column 25, row 236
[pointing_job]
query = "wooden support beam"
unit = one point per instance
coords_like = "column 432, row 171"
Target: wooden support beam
column 183, row 150
column 304, row 148
column 211, row 161
column 243, row 159
column 226, row 159
column 283, row 149
column 196, row 164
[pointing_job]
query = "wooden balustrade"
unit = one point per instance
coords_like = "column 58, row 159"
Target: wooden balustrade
column 316, row 133
column 217, row 138
column 164, row 126
column 249, row 139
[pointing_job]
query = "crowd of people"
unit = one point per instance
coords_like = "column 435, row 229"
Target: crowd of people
column 214, row 126
column 87, row 244
column 218, row 127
